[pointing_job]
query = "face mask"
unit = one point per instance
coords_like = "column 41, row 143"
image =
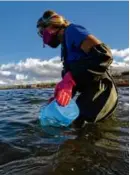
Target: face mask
column 50, row 38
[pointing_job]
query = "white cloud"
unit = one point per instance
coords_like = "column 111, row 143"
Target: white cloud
column 21, row 77
column 2, row 82
column 120, row 53
column 6, row 73
column 123, row 65
column 35, row 70
column 31, row 70
column 126, row 59
column 119, row 67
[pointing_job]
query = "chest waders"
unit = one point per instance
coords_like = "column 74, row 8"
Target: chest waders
column 98, row 95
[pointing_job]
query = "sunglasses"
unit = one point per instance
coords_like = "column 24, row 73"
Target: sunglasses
column 43, row 23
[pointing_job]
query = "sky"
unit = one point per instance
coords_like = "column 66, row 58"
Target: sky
column 22, row 57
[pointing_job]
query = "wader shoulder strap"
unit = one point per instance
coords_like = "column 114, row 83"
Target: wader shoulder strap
column 64, row 55
column 63, row 49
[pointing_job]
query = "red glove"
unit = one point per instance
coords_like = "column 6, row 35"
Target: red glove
column 63, row 90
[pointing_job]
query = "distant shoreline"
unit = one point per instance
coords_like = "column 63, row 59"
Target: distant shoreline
column 43, row 87
column 120, row 81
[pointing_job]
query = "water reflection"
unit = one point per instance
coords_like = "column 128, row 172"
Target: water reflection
column 27, row 148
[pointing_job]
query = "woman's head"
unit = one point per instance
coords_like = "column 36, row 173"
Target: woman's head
column 49, row 27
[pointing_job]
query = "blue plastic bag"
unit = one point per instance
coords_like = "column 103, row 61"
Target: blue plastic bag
column 58, row 135
column 58, row 116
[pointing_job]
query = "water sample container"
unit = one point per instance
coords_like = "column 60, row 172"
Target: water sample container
column 57, row 115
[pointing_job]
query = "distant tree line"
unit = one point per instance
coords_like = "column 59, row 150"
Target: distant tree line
column 120, row 80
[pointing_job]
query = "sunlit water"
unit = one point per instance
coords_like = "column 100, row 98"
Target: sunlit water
column 27, row 149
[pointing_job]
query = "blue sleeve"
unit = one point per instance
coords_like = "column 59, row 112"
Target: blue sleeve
column 76, row 34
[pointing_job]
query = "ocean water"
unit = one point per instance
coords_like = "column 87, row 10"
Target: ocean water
column 27, row 149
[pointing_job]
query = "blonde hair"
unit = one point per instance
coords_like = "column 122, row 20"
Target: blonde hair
column 50, row 17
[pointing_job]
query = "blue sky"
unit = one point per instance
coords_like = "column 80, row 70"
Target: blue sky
column 18, row 34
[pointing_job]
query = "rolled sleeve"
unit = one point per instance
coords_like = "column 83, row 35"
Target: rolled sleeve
column 78, row 34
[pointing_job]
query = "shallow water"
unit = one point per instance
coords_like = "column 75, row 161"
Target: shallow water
column 27, row 149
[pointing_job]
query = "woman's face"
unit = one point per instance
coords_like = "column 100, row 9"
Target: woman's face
column 50, row 36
